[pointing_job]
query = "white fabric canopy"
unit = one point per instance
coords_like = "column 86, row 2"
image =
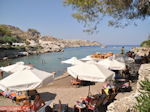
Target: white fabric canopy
column 105, row 62
column 112, row 64
column 90, row 72
column 14, row 68
column 124, row 59
column 88, row 58
column 116, row 65
column 27, row 79
column 72, row 61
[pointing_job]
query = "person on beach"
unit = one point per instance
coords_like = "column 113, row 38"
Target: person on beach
column 127, row 73
column 38, row 103
column 26, row 105
column 1, row 74
column 9, row 64
column 122, row 50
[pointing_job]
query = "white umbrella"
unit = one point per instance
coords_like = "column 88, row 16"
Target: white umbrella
column 105, row 62
column 14, row 68
column 112, row 64
column 116, row 65
column 88, row 58
column 124, row 59
column 27, row 79
column 90, row 72
column 72, row 61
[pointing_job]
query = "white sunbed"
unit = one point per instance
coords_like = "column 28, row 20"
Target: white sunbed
column 43, row 108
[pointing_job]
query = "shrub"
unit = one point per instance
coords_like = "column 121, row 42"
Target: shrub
column 143, row 100
column 27, row 42
column 8, row 39
column 4, row 31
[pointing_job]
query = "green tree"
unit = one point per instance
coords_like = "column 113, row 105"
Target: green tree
column 143, row 100
column 120, row 12
column 8, row 39
column 4, row 31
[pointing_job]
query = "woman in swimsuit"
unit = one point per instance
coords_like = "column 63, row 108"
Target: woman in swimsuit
column 38, row 103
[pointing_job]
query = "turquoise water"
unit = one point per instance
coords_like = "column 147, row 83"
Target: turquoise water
column 53, row 60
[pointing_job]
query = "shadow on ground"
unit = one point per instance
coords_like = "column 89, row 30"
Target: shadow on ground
column 46, row 96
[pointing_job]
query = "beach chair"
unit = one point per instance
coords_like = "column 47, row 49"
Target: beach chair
column 21, row 97
column 43, row 108
column 13, row 95
column 76, row 83
column 6, row 93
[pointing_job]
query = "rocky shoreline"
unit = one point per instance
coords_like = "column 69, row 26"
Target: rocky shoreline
column 31, row 42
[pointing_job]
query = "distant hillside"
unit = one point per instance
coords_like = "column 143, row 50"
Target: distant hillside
column 20, row 35
column 21, row 43
column 33, row 34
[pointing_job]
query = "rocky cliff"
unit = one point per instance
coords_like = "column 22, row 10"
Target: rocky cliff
column 50, row 43
column 45, row 43
column 141, row 51
column 126, row 104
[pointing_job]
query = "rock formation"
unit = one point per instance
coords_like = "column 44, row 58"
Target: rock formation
column 141, row 51
column 42, row 44
column 126, row 104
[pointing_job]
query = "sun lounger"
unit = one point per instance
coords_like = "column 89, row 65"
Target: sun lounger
column 76, row 83
column 6, row 93
column 14, row 95
column 43, row 108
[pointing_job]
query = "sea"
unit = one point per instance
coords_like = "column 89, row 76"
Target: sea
column 51, row 62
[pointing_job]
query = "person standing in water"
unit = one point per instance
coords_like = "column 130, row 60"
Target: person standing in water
column 122, row 50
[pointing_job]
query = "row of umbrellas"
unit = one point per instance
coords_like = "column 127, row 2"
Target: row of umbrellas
column 24, row 78
column 90, row 70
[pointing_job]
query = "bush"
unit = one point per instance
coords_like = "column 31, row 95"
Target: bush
column 8, row 39
column 27, row 42
column 4, row 31
column 143, row 100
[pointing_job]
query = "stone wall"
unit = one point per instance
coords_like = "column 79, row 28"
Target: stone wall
column 126, row 104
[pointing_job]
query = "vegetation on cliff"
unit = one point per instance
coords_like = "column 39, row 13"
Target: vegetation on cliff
column 143, row 100
column 5, row 36
column 146, row 43
column 10, row 34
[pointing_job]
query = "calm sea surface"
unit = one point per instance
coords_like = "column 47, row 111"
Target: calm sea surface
column 52, row 61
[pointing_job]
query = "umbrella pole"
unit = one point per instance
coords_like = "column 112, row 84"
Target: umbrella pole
column 89, row 91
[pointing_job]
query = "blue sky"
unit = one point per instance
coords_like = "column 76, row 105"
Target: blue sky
column 50, row 17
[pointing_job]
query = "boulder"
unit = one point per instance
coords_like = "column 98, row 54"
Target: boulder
column 126, row 104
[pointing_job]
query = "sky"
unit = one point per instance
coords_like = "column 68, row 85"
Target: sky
column 50, row 17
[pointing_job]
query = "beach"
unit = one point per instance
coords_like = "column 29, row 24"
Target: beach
column 61, row 89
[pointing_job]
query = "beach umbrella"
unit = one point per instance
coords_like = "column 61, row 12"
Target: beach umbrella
column 112, row 64
column 28, row 79
column 90, row 72
column 124, row 59
column 105, row 62
column 14, row 68
column 88, row 58
column 116, row 65
column 72, row 61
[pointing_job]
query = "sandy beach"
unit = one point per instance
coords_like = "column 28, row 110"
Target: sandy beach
column 61, row 89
